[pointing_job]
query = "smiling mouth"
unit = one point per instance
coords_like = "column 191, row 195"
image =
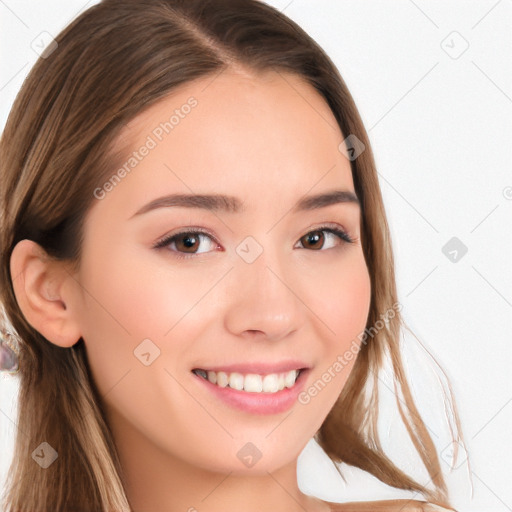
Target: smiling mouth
column 251, row 382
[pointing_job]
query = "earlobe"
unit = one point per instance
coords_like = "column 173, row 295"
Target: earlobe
column 41, row 285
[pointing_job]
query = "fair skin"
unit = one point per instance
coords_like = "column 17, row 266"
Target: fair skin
column 257, row 138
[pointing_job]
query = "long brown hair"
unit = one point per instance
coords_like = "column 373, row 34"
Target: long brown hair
column 116, row 59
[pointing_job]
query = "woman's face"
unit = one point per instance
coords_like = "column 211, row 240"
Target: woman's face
column 264, row 289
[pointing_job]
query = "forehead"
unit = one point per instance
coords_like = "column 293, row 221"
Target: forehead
column 266, row 132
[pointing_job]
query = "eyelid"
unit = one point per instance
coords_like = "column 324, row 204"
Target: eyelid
column 336, row 229
column 326, row 225
column 166, row 239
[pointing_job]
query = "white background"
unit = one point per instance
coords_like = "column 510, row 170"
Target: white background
column 439, row 120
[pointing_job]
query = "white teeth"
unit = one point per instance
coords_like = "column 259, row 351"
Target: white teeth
column 236, row 381
column 251, row 382
column 271, row 383
column 222, row 379
column 289, row 379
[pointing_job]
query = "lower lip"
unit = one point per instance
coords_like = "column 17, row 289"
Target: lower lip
column 258, row 403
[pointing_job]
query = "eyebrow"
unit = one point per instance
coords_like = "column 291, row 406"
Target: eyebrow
column 231, row 204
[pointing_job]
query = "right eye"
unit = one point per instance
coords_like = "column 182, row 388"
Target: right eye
column 185, row 242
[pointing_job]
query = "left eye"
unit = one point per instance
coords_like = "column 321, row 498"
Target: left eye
column 317, row 237
column 187, row 242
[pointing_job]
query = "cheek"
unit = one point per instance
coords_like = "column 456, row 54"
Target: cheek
column 342, row 298
column 129, row 299
column 343, row 311
column 133, row 294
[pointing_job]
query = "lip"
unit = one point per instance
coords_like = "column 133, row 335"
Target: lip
column 258, row 368
column 257, row 403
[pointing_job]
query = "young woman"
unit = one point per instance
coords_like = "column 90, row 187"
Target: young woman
column 196, row 268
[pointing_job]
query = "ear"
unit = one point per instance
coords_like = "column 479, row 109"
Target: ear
column 45, row 290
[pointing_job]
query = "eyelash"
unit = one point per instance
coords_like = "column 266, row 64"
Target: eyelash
column 160, row 244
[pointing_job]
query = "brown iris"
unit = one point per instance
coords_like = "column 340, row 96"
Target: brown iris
column 186, row 242
column 314, row 237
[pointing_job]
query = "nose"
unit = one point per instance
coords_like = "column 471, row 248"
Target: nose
column 265, row 300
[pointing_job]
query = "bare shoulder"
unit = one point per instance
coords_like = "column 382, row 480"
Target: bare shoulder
column 388, row 506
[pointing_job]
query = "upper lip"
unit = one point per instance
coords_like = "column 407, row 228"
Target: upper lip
column 258, row 368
